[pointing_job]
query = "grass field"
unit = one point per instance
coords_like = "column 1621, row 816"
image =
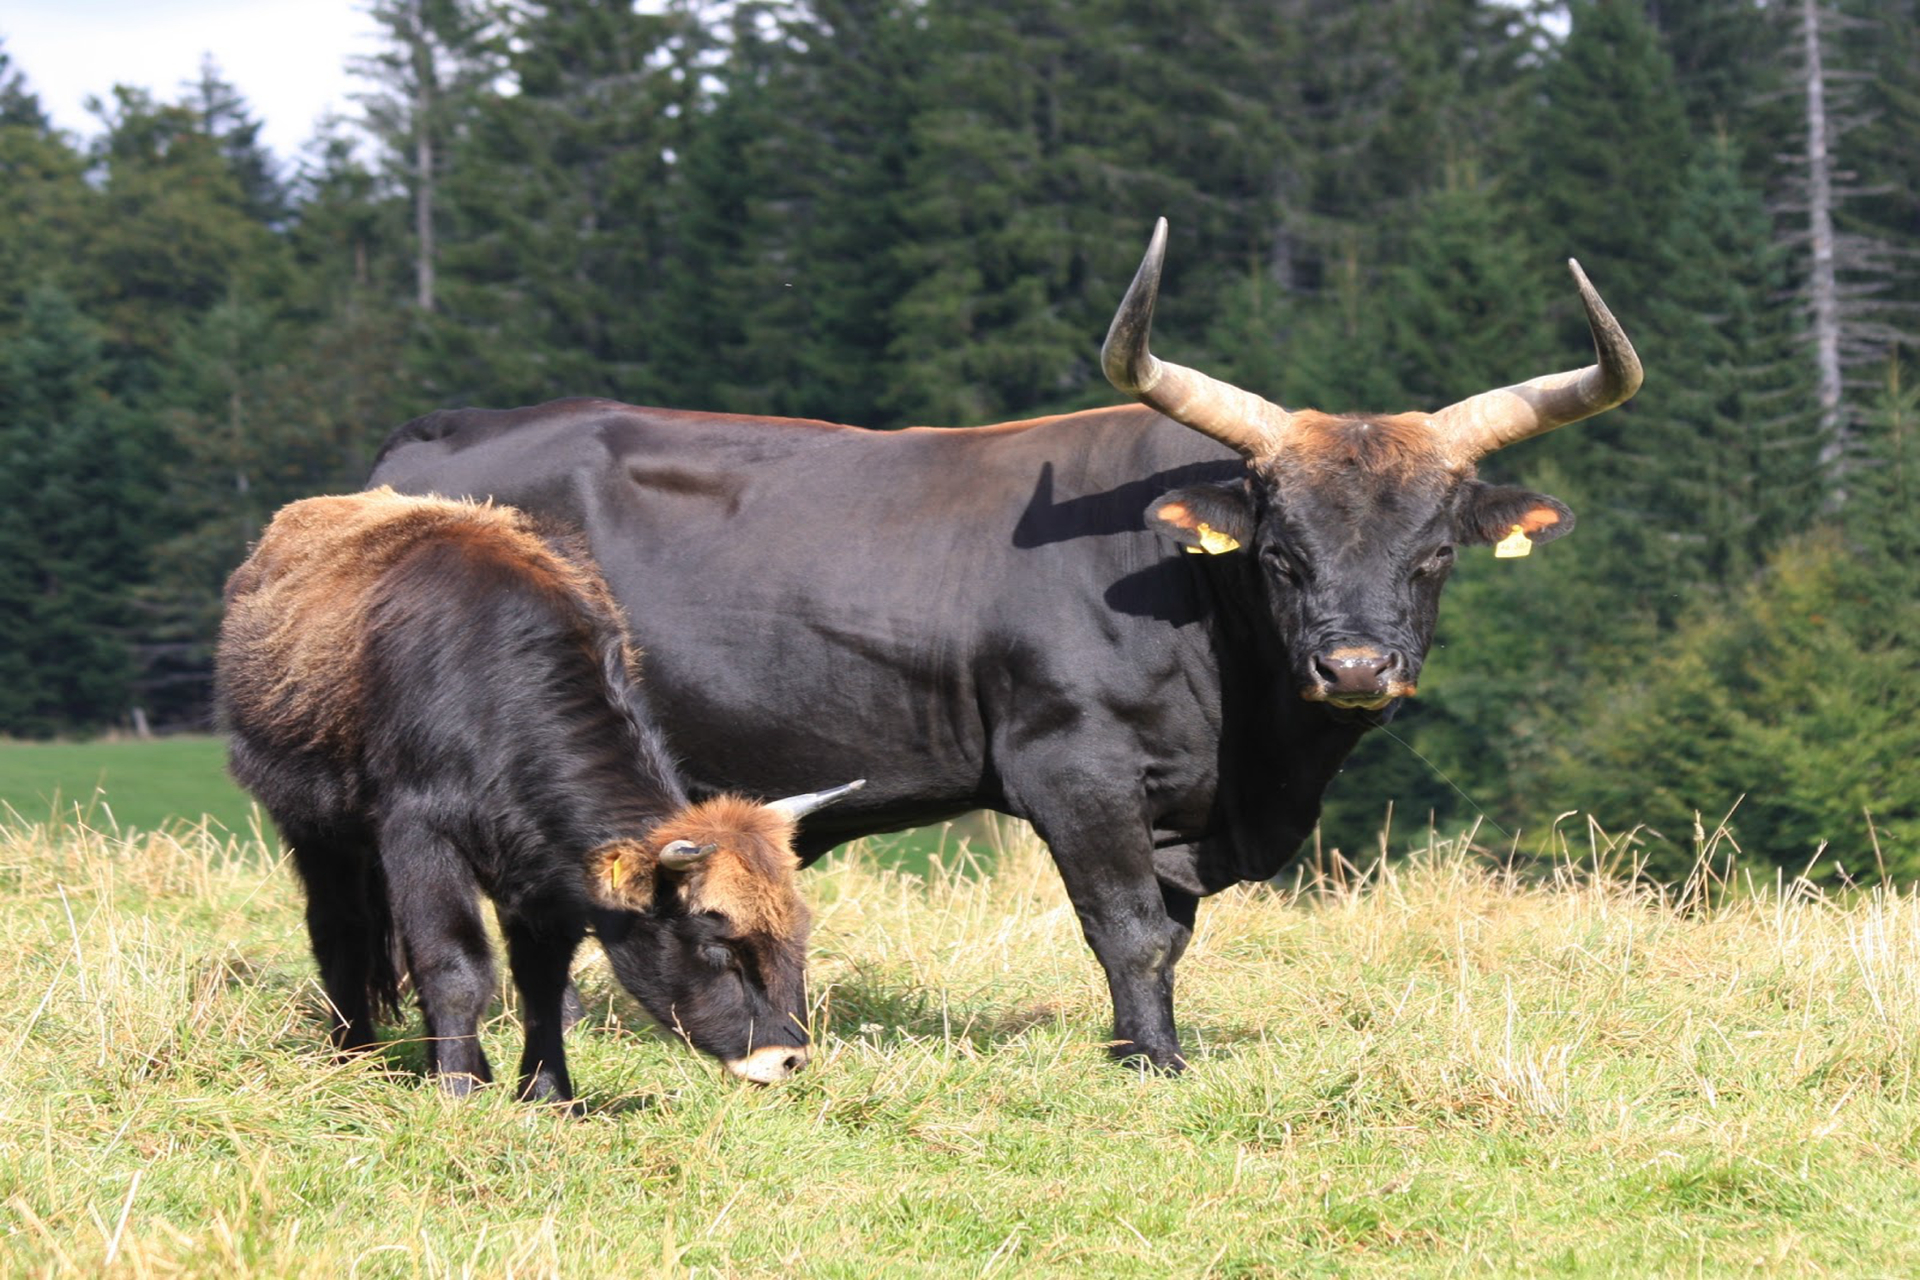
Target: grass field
column 176, row 782
column 129, row 783
column 1433, row 1070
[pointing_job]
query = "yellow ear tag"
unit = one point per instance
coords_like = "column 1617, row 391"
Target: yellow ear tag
column 1212, row 541
column 615, row 873
column 1514, row 545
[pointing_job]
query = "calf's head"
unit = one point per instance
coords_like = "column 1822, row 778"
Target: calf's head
column 1352, row 520
column 710, row 932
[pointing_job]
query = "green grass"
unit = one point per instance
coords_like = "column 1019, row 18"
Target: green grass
column 1436, row 1070
column 139, row 784
column 167, row 783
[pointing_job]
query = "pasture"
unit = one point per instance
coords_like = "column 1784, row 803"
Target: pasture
column 124, row 782
column 181, row 781
column 1436, row 1069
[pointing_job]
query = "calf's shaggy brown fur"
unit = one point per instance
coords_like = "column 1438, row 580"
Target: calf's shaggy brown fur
column 437, row 701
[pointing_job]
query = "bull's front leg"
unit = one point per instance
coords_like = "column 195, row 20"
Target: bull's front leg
column 1137, row 930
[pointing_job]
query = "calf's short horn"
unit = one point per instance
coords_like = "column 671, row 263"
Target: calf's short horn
column 680, row 855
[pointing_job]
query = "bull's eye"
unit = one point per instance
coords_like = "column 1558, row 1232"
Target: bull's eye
column 718, row 958
column 1280, row 564
column 1438, row 562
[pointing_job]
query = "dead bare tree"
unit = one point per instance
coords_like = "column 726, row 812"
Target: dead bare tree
column 1850, row 269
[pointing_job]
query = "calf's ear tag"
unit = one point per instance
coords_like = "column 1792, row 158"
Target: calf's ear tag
column 1514, row 545
column 1212, row 541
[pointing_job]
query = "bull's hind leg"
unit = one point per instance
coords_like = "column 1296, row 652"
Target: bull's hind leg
column 436, row 905
column 540, row 947
column 348, row 926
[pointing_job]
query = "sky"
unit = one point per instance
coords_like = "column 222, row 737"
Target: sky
column 288, row 58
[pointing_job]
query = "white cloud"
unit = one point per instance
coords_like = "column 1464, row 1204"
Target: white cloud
column 288, row 58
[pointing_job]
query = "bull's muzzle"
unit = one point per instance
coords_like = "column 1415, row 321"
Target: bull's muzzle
column 1358, row 676
column 769, row 1065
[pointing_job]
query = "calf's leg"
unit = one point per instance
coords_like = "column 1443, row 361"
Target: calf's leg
column 436, row 905
column 540, row 947
column 348, row 925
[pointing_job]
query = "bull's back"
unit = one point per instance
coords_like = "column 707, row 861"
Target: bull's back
column 817, row 601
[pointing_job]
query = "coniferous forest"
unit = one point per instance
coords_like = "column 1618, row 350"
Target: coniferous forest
column 891, row 212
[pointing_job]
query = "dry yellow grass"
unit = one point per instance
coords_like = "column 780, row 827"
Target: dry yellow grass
column 1432, row 1068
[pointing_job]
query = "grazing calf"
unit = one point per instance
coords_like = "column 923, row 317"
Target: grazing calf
column 437, row 700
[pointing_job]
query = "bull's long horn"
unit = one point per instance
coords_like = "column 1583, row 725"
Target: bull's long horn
column 1479, row 425
column 1240, row 419
column 797, row 807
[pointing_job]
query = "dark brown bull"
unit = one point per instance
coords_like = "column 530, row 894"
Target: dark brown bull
column 437, row 701
column 1003, row 618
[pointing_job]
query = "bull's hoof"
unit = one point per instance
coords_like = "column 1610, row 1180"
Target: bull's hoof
column 1149, row 1060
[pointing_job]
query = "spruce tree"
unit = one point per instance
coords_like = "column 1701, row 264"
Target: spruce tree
column 173, row 232
column 226, row 117
column 1609, row 149
column 553, row 207
column 71, row 493
column 45, row 202
column 1724, row 446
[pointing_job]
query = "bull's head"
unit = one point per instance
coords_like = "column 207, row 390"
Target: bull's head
column 711, row 933
column 1353, row 519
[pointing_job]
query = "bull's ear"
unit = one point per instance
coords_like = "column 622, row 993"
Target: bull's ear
column 1510, row 518
column 1210, row 518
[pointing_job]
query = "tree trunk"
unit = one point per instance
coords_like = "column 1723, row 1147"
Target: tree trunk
column 1823, row 289
column 424, row 83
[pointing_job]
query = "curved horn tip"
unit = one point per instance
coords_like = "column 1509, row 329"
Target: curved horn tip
column 800, row 806
column 1124, row 357
column 1617, row 356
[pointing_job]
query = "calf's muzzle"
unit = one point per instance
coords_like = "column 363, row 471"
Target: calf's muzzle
column 769, row 1064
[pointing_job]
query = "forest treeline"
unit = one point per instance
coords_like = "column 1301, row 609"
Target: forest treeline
column 924, row 211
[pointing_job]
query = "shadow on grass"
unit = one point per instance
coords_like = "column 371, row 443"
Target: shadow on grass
column 860, row 1009
column 869, row 1010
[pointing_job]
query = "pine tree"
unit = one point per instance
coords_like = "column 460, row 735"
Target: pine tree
column 45, row 201
column 553, row 204
column 1851, row 274
column 1725, row 451
column 70, row 489
column 438, row 58
column 793, row 182
column 1461, row 302
column 1609, row 148
column 226, row 118
column 1794, row 706
column 173, row 233
column 19, row 105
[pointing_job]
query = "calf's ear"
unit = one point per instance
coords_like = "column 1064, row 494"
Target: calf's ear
column 1497, row 513
column 1205, row 518
column 620, row 874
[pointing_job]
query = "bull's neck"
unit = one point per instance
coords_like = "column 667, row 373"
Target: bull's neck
column 1284, row 751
